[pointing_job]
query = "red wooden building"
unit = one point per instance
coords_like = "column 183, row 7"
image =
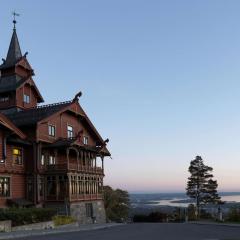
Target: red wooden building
column 50, row 155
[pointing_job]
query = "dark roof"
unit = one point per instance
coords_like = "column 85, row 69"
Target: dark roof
column 10, row 83
column 14, row 50
column 4, row 121
column 33, row 115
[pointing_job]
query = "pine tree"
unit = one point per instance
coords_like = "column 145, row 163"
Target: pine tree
column 200, row 185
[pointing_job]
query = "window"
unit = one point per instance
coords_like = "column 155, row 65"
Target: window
column 51, row 130
column 41, row 187
column 42, row 160
column 85, row 140
column 51, row 160
column 17, row 156
column 70, row 131
column 89, row 210
column 4, row 186
column 4, row 99
column 26, row 98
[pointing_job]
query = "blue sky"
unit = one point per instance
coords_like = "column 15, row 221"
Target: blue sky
column 161, row 79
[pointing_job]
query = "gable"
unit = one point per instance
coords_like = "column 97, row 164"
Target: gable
column 72, row 115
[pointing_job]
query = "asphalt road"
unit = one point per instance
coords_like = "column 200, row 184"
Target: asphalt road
column 151, row 231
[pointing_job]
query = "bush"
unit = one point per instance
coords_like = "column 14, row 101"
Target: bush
column 62, row 220
column 116, row 204
column 152, row 217
column 22, row 216
column 233, row 215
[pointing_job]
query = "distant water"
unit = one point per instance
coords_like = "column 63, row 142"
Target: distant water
column 174, row 199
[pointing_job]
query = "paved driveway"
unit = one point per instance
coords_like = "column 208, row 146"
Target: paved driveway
column 152, row 231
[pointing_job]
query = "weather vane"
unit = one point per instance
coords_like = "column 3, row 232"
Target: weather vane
column 14, row 19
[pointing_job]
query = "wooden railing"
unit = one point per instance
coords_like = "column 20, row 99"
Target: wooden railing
column 72, row 167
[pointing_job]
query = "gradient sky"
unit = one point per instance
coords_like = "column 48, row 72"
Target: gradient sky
column 161, row 79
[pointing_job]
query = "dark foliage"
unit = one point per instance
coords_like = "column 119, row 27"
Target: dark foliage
column 22, row 216
column 200, row 185
column 152, row 217
column 233, row 215
column 116, row 204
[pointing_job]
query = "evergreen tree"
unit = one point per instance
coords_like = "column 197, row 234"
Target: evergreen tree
column 200, row 185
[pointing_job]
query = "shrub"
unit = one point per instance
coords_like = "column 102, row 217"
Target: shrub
column 233, row 215
column 152, row 217
column 62, row 220
column 22, row 216
column 116, row 204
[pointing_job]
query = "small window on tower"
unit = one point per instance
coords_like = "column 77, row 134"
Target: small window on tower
column 26, row 98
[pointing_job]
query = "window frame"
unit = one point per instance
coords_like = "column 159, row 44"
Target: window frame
column 17, row 155
column 71, row 135
column 26, row 98
column 85, row 140
column 9, row 185
column 51, row 133
column 53, row 157
column 4, row 99
column 42, row 160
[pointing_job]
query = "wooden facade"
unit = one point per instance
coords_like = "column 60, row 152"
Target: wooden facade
column 51, row 154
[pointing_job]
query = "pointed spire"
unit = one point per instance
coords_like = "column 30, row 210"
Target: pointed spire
column 14, row 51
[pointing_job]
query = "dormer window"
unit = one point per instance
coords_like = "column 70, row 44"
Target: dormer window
column 70, row 131
column 85, row 140
column 26, row 98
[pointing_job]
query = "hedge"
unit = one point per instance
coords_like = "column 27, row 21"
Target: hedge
column 22, row 216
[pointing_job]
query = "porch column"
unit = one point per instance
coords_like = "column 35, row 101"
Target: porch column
column 95, row 162
column 69, row 186
column 102, row 164
column 57, row 187
column 78, row 160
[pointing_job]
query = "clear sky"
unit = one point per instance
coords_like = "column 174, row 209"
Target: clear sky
column 161, row 79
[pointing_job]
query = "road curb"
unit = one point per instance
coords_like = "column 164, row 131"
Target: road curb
column 215, row 224
column 14, row 235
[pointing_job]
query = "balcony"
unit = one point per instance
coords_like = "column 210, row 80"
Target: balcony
column 71, row 167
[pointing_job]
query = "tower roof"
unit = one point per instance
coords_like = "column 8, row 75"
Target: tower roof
column 14, row 50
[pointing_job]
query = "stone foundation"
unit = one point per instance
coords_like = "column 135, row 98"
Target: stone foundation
column 84, row 216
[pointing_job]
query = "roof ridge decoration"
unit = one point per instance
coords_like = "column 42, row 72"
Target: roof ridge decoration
column 53, row 104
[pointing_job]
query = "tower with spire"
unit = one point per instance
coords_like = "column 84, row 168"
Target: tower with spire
column 18, row 91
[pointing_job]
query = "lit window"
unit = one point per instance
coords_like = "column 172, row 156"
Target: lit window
column 4, row 186
column 17, row 156
column 85, row 140
column 70, row 131
column 51, row 160
column 51, row 130
column 26, row 98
